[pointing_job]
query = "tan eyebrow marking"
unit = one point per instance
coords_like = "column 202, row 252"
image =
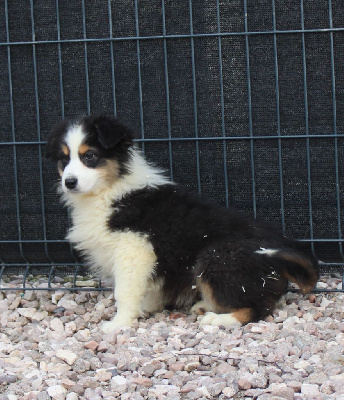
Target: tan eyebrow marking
column 65, row 150
column 83, row 148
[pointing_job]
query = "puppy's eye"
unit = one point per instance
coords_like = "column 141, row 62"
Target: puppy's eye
column 89, row 156
column 65, row 160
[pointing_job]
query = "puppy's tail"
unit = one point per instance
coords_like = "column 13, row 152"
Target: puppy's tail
column 299, row 268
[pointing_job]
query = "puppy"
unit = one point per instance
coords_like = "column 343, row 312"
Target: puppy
column 161, row 246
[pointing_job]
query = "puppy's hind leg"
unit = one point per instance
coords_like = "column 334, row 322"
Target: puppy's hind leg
column 240, row 316
column 243, row 287
column 134, row 265
column 217, row 314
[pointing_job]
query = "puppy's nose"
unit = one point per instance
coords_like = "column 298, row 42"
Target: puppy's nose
column 71, row 183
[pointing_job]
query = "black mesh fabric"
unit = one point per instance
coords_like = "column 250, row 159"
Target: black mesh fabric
column 180, row 70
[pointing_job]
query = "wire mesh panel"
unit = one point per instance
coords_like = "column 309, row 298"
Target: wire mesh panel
column 240, row 101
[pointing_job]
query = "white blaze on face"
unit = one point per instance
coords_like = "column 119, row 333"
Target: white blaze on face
column 87, row 178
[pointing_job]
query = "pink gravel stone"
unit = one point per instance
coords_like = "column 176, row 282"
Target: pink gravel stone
column 92, row 345
column 244, row 384
column 146, row 382
column 177, row 366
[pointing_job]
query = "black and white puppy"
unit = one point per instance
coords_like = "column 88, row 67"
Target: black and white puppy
column 161, row 246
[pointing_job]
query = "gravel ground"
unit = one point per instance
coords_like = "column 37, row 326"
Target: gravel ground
column 51, row 347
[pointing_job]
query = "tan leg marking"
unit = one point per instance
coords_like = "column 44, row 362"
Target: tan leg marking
column 208, row 299
column 243, row 315
column 216, row 314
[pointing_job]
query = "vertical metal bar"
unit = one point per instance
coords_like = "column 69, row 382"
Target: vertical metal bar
column 75, row 275
column 1, row 273
column 26, row 273
column 15, row 167
column 280, row 165
column 167, row 88
column 335, row 131
column 62, row 95
column 51, row 272
column 112, row 60
column 137, row 29
column 309, row 182
column 85, row 52
column 38, row 131
column 223, row 127
column 58, row 26
column 194, row 86
column 248, row 74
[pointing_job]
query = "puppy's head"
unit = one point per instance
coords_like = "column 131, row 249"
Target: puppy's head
column 91, row 152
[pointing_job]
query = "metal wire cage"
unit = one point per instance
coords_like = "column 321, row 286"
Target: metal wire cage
column 241, row 101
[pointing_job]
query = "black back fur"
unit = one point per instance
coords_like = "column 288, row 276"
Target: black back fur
column 193, row 238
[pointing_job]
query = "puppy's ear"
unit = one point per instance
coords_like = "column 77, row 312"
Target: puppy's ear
column 111, row 132
column 53, row 146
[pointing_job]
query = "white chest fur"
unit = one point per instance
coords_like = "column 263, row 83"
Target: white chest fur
column 108, row 251
column 90, row 234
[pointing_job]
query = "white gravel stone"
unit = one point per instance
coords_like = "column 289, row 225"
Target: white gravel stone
column 103, row 375
column 210, row 329
column 32, row 314
column 119, row 384
column 56, row 325
column 57, row 392
column 67, row 304
column 229, row 392
column 66, row 355
column 3, row 305
column 72, row 396
column 309, row 390
column 302, row 364
column 89, row 283
column 160, row 390
column 58, row 295
column 203, row 391
column 337, row 382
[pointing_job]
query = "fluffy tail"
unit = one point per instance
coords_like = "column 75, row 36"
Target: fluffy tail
column 299, row 268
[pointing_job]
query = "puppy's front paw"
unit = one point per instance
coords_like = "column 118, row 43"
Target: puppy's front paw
column 110, row 326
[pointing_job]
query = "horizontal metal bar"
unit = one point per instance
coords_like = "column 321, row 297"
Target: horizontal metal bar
column 35, row 265
column 109, row 289
column 38, row 265
column 212, row 138
column 178, row 36
column 81, row 289
column 325, row 240
column 44, row 265
column 317, row 290
column 35, row 241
